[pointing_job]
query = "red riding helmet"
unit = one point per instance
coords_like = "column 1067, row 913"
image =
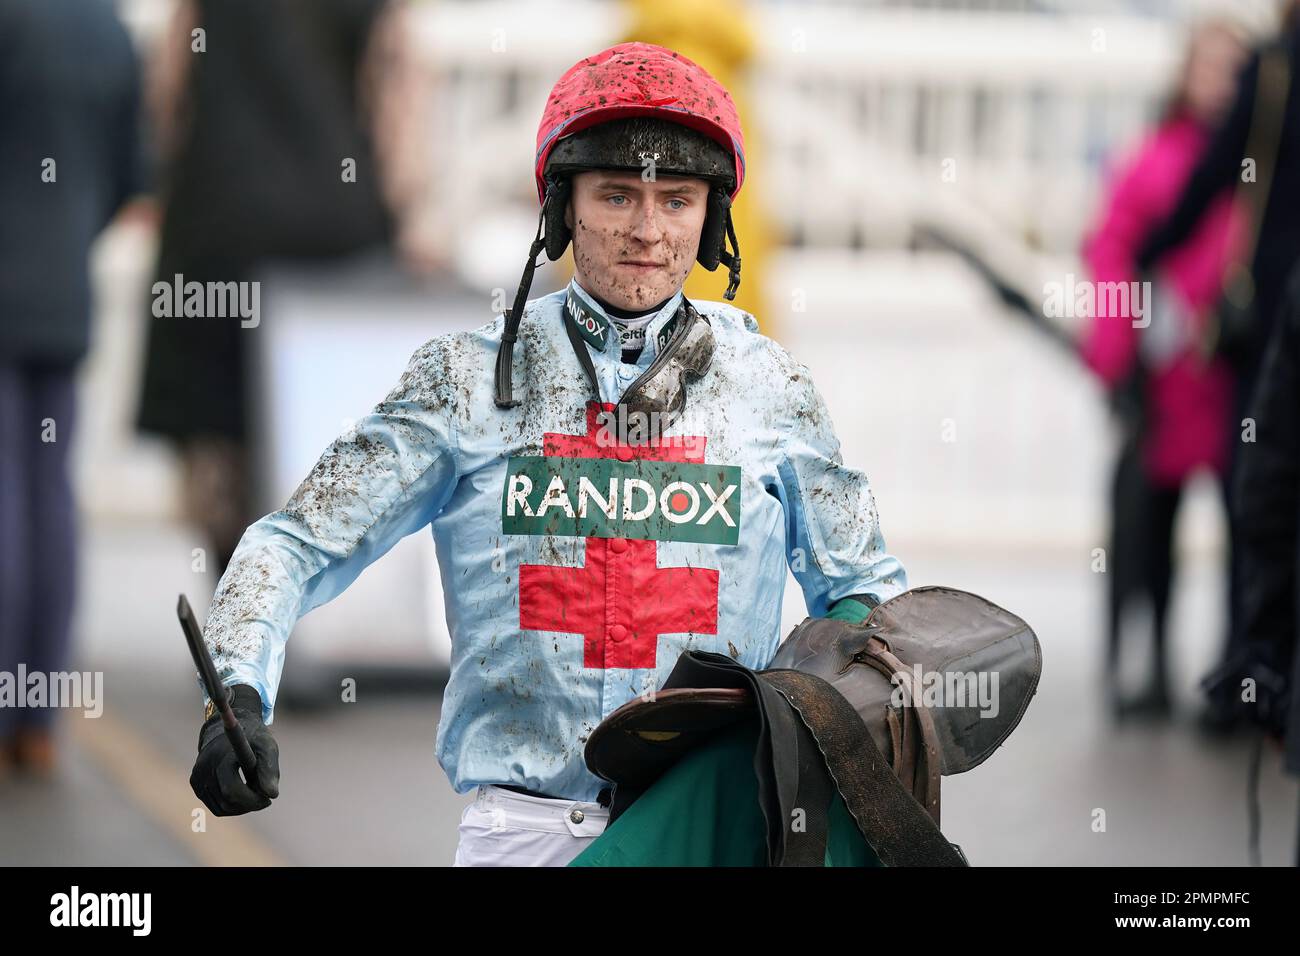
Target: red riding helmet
column 628, row 107
column 639, row 79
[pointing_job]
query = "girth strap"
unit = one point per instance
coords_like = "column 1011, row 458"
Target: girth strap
column 898, row 828
column 810, row 742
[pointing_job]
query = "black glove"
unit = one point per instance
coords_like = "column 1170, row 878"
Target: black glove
column 216, row 777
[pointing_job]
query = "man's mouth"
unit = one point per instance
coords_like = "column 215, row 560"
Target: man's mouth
column 642, row 265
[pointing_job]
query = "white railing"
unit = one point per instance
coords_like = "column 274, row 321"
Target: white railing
column 867, row 117
column 866, row 110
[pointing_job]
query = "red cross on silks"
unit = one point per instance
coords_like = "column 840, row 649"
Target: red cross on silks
column 619, row 601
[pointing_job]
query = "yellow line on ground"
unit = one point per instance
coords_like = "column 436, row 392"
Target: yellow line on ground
column 162, row 791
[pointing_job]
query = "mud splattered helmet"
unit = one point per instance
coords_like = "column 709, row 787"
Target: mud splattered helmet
column 627, row 108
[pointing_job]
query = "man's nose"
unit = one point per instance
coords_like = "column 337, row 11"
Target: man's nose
column 647, row 228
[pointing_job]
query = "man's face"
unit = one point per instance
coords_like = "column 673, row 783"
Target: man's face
column 634, row 242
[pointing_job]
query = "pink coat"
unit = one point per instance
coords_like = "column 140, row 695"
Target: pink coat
column 1189, row 401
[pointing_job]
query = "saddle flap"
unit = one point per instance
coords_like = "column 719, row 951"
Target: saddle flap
column 972, row 664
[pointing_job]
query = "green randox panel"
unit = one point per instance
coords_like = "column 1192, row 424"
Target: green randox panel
column 607, row 498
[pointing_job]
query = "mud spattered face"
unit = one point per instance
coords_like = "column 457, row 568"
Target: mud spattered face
column 634, row 242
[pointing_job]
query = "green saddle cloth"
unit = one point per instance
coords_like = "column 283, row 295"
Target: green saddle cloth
column 704, row 812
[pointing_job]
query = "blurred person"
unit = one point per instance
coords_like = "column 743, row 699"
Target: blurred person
column 1267, row 501
column 260, row 106
column 560, row 614
column 1174, row 402
column 1261, row 134
column 70, row 159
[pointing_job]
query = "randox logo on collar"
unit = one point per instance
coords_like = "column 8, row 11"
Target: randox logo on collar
column 591, row 325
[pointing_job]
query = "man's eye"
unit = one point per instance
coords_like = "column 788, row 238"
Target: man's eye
column 612, row 198
column 681, row 203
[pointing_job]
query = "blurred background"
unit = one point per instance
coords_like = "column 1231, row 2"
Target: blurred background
column 921, row 175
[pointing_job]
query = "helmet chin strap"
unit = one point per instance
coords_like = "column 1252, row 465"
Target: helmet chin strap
column 510, row 333
column 731, row 260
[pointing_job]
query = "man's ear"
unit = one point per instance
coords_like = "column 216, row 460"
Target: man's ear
column 568, row 214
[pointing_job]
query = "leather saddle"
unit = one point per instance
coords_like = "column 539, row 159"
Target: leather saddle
column 929, row 685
